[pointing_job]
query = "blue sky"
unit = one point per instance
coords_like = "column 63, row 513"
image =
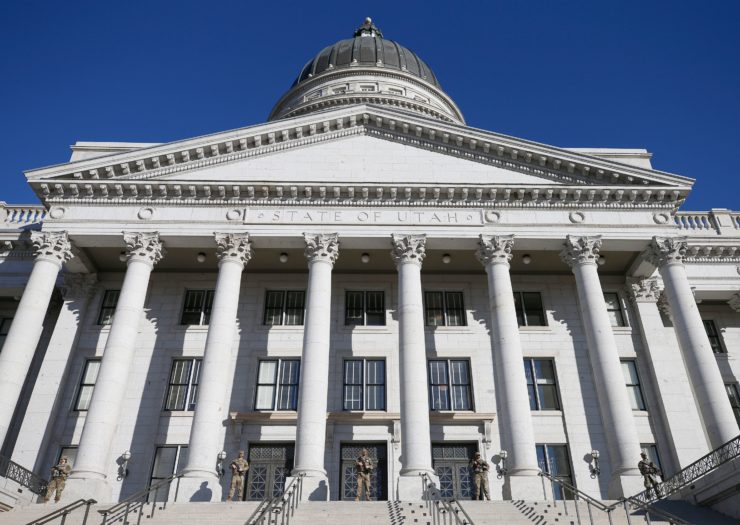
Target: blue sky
column 655, row 74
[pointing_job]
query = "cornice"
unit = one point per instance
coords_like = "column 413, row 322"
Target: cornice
column 450, row 139
column 729, row 252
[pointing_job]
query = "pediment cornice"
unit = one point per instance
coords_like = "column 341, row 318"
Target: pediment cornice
column 151, row 169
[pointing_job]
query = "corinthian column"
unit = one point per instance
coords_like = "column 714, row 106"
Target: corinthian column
column 719, row 422
column 53, row 249
column 511, row 383
column 408, row 252
column 94, row 462
column 322, row 251
column 581, row 253
column 206, row 435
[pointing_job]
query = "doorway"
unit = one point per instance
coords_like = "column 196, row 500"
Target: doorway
column 378, row 480
column 451, row 463
column 269, row 466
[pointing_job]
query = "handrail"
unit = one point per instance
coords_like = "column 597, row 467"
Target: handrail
column 442, row 510
column 64, row 511
column 285, row 504
column 649, row 509
column 699, row 468
column 21, row 475
column 573, row 490
column 136, row 502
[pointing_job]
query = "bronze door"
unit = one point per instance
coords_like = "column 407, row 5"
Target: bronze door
column 451, row 465
column 378, row 479
column 269, row 466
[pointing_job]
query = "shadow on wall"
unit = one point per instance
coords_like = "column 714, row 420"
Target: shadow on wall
column 202, row 494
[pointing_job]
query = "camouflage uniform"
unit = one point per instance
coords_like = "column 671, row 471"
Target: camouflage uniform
column 239, row 468
column 59, row 475
column 650, row 473
column 479, row 466
column 365, row 467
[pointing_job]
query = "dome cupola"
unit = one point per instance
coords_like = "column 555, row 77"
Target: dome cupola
column 367, row 69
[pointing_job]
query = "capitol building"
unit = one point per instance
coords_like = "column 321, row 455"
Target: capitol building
column 365, row 270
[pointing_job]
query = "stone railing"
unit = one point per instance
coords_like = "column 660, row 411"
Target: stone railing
column 16, row 217
column 718, row 221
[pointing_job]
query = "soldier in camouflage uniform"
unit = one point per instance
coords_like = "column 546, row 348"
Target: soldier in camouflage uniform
column 479, row 466
column 239, row 468
column 650, row 475
column 364, row 465
column 59, row 475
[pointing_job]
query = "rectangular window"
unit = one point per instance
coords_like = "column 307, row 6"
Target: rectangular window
column 652, row 453
column 87, row 384
column 108, row 307
column 541, row 384
column 714, row 338
column 364, row 308
column 555, row 460
column 529, row 311
column 444, row 309
column 197, row 307
column 277, row 384
column 734, row 394
column 70, row 452
column 629, row 371
column 364, row 384
column 168, row 460
column 614, row 309
column 183, row 387
column 5, row 323
column 284, row 307
column 449, row 385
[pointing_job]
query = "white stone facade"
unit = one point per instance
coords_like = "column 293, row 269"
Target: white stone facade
column 234, row 212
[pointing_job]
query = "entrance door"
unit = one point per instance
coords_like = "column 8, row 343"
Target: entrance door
column 377, row 452
column 451, row 465
column 269, row 465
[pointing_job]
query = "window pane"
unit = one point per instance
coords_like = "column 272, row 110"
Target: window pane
column 438, row 372
column 455, row 309
column 375, row 308
column 545, row 371
column 629, row 372
column 375, row 397
column 180, row 371
column 267, row 372
column 612, row 301
column 528, row 372
column 548, row 397
column 519, row 309
column 91, row 372
column 208, row 306
column 176, row 397
column 164, row 462
column 287, row 397
column 461, row 397
column 615, row 317
column 290, row 370
column 353, row 397
column 440, row 397
column 635, row 395
column 354, row 308
column 434, row 308
column 353, row 372
column 84, row 397
column 265, row 396
column 533, row 311
column 532, row 397
column 108, row 307
column 376, row 372
column 274, row 307
column 294, row 306
column 559, row 462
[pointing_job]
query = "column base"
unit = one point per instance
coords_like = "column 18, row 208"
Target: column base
column 411, row 486
column 315, row 486
column 197, row 488
column 624, row 485
column 524, row 487
column 86, row 488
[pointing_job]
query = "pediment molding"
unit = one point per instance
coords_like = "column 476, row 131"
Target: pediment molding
column 562, row 167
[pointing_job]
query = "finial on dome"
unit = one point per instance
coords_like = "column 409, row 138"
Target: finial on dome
column 368, row 29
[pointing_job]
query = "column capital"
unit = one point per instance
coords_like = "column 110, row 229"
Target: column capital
column 667, row 250
column 234, row 247
column 580, row 250
column 643, row 290
column 52, row 246
column 734, row 302
column 321, row 247
column 408, row 248
column 144, row 247
column 494, row 249
column 78, row 285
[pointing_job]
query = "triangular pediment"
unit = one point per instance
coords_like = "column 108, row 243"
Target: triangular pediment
column 352, row 146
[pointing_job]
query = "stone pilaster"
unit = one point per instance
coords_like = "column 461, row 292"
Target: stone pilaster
column 667, row 253
column 234, row 251
column 582, row 254
column 517, row 434
column 321, row 251
column 52, row 250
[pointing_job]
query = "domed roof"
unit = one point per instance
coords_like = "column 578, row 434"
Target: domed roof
column 368, row 48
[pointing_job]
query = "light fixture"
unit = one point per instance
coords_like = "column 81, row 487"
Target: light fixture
column 283, row 257
column 220, row 463
column 201, row 257
column 365, row 258
column 594, row 465
column 501, row 469
column 446, row 258
column 601, row 261
column 122, row 257
column 526, row 258
column 123, row 468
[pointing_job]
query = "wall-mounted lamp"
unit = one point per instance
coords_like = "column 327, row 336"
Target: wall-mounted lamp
column 123, row 467
column 501, row 469
column 526, row 258
column 283, row 257
column 594, row 465
column 220, row 463
column 601, row 261
column 446, row 258
column 201, row 257
column 122, row 257
column 365, row 258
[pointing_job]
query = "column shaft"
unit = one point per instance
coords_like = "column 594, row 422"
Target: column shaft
column 52, row 250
